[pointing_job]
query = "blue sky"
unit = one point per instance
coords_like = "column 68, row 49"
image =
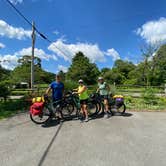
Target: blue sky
column 105, row 30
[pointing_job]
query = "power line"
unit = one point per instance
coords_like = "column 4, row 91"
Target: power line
column 40, row 34
column 11, row 4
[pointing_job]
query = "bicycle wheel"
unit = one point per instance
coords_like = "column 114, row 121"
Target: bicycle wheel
column 42, row 118
column 118, row 109
column 92, row 108
column 67, row 109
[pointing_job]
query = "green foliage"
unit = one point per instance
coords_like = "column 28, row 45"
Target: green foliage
column 128, row 100
column 12, row 107
column 70, row 85
column 4, row 74
column 151, row 71
column 162, row 101
column 124, row 67
column 4, row 90
column 149, row 97
column 22, row 73
column 159, row 66
column 81, row 68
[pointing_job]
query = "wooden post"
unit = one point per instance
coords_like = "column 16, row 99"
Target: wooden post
column 32, row 57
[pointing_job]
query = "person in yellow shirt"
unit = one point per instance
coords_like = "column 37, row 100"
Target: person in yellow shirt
column 83, row 96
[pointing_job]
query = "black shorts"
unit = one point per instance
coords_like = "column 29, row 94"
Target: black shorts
column 103, row 97
column 84, row 101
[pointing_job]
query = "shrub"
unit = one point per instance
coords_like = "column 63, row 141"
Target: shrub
column 128, row 99
column 148, row 96
column 70, row 85
column 4, row 90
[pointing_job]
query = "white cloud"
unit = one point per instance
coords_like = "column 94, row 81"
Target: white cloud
column 67, row 51
column 2, row 45
column 63, row 68
column 13, row 32
column 10, row 61
column 15, row 2
column 113, row 53
column 38, row 53
column 153, row 31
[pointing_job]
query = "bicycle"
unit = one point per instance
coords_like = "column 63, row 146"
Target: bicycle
column 49, row 111
column 115, row 103
column 73, row 103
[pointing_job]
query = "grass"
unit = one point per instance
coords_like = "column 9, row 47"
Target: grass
column 138, row 104
column 12, row 107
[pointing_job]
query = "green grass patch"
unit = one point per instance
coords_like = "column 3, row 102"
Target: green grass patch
column 139, row 104
column 11, row 107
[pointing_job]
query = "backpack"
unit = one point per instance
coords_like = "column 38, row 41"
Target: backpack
column 36, row 108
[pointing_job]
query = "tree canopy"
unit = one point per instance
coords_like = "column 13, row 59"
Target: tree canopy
column 82, row 68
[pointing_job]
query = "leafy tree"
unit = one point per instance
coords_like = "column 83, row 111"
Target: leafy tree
column 4, row 73
column 159, row 66
column 4, row 90
column 114, row 76
column 148, row 51
column 81, row 68
column 124, row 67
column 104, row 70
column 22, row 73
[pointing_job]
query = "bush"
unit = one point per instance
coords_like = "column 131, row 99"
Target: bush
column 70, row 85
column 128, row 99
column 162, row 101
column 4, row 90
column 148, row 96
column 12, row 107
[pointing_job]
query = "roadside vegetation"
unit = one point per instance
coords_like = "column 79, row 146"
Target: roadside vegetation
column 142, row 84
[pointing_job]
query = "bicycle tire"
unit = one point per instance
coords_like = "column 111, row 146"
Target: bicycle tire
column 118, row 109
column 92, row 108
column 39, row 119
column 67, row 109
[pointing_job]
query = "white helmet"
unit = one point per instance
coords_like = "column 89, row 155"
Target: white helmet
column 100, row 78
column 80, row 81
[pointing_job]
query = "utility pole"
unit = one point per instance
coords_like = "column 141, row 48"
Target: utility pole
column 32, row 57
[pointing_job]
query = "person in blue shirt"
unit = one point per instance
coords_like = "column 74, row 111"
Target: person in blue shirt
column 57, row 88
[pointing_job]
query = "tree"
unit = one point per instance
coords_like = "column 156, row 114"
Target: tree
column 4, row 73
column 148, row 51
column 22, row 72
column 159, row 66
column 124, row 67
column 4, row 90
column 81, row 68
column 114, row 76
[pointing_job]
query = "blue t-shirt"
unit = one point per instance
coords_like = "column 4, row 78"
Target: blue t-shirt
column 57, row 90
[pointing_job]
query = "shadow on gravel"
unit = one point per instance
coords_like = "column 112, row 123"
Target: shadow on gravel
column 51, row 123
column 122, row 114
column 49, row 146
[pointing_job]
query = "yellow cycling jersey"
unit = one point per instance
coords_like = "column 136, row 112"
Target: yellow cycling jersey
column 83, row 95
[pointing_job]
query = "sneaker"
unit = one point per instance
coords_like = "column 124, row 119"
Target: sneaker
column 86, row 120
column 106, row 115
column 100, row 112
